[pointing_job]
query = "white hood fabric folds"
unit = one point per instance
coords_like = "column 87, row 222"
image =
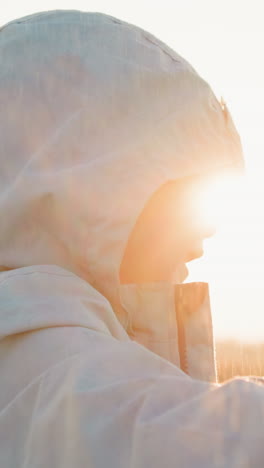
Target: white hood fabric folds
column 96, row 114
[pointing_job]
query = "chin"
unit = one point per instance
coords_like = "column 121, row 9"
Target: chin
column 180, row 274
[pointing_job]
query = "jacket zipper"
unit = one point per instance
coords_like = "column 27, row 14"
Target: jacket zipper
column 179, row 307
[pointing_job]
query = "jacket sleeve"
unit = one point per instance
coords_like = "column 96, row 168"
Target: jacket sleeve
column 115, row 404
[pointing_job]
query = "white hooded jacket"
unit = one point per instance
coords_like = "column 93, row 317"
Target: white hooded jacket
column 96, row 114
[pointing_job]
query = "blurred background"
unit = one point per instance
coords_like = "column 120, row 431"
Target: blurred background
column 224, row 41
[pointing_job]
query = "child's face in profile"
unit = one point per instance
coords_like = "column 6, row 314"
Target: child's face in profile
column 167, row 234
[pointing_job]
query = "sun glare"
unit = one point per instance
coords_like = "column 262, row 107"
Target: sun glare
column 222, row 201
column 233, row 261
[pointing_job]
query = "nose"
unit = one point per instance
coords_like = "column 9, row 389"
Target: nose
column 209, row 231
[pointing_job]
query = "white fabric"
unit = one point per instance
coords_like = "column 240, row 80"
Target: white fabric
column 77, row 392
column 103, row 114
column 95, row 115
column 173, row 321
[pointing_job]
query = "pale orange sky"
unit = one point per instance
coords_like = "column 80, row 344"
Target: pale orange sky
column 224, row 41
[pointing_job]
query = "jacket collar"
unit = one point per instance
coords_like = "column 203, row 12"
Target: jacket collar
column 173, row 321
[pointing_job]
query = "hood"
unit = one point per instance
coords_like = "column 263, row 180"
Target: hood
column 96, row 114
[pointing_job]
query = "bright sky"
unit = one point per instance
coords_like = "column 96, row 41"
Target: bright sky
column 224, row 41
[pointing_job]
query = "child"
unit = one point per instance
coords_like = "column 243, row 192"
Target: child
column 106, row 136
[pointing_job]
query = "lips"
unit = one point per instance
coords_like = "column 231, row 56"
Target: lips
column 194, row 254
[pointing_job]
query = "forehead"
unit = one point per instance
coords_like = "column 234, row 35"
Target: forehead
column 172, row 197
column 185, row 186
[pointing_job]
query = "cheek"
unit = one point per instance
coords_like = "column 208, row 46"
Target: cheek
column 173, row 231
column 184, row 228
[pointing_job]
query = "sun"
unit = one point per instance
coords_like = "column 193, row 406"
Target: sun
column 223, row 201
column 233, row 261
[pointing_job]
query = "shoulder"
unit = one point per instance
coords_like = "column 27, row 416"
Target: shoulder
column 44, row 296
